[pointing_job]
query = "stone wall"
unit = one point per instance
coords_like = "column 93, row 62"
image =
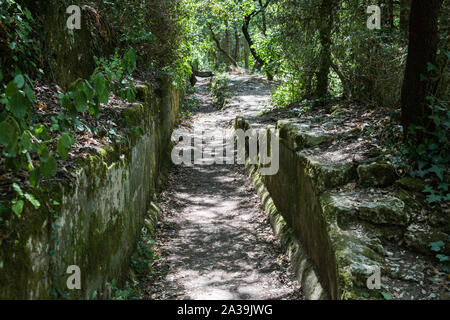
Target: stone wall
column 93, row 221
column 302, row 265
column 346, row 218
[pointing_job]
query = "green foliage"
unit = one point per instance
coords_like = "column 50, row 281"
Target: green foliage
column 111, row 76
column 190, row 104
column 141, row 264
column 21, row 139
column 426, row 153
column 142, row 261
column 370, row 62
column 219, row 89
column 128, row 293
column 64, row 143
column 138, row 36
column 27, row 145
column 19, row 45
column 17, row 206
column 179, row 71
column 288, row 91
column 386, row 295
column 157, row 29
column 436, row 247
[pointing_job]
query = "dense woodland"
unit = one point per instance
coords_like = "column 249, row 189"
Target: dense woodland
column 316, row 52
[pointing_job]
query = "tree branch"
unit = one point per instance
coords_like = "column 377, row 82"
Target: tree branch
column 225, row 54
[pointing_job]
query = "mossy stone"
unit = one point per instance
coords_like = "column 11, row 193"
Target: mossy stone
column 419, row 237
column 375, row 175
column 388, row 210
column 411, row 184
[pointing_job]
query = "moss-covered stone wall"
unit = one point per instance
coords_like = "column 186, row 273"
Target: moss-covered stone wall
column 347, row 216
column 295, row 194
column 94, row 221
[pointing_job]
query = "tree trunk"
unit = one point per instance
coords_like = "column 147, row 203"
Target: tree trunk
column 423, row 39
column 387, row 14
column 237, row 45
column 246, row 56
column 326, row 22
column 344, row 82
column 229, row 59
column 259, row 61
column 227, row 45
column 404, row 15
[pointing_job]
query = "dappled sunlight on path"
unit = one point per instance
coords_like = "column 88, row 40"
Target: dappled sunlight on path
column 215, row 239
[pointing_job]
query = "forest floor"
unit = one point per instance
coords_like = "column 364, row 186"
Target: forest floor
column 213, row 238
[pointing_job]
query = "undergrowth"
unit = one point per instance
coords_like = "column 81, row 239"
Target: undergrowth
column 141, row 266
column 219, row 90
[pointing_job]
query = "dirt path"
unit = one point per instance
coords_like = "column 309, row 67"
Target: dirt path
column 214, row 238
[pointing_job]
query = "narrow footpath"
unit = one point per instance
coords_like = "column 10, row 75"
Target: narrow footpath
column 214, row 239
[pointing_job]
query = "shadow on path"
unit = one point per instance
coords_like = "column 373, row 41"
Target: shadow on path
column 215, row 240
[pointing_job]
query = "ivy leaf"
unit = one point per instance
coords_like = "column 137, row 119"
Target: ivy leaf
column 443, row 257
column 131, row 95
column 6, row 133
column 65, row 101
column 434, row 197
column 34, row 178
column 44, row 153
column 79, row 97
column 88, row 90
column 436, row 246
column 19, row 80
column 64, row 144
column 11, row 89
column 433, row 147
column 17, row 207
column 386, row 295
column 48, row 168
column 17, row 188
column 438, row 170
column 80, row 100
column 101, row 87
column 18, row 105
column 26, row 140
column 29, row 93
column 36, row 204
